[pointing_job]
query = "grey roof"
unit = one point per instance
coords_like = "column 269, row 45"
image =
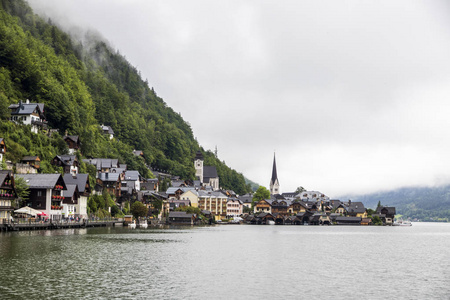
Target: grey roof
column 172, row 190
column 247, row 198
column 103, row 162
column 132, row 175
column 216, row 194
column 109, row 176
column 68, row 160
column 356, row 207
column 80, row 180
column 3, row 177
column 180, row 214
column 70, row 190
column 1, row 139
column 209, row 172
column 138, row 152
column 26, row 108
column 36, row 181
column 74, row 138
column 107, row 129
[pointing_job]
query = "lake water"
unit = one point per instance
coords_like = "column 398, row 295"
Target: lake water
column 228, row 262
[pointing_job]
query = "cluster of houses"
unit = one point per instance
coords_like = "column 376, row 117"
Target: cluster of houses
column 56, row 196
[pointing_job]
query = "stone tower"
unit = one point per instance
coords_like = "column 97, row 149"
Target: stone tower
column 198, row 165
column 274, row 183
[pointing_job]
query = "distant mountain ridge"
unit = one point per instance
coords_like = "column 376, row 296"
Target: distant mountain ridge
column 421, row 203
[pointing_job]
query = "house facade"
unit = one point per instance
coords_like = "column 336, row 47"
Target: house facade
column 7, row 195
column 69, row 163
column 29, row 114
column 46, row 193
column 234, row 208
column 73, row 143
column 84, row 191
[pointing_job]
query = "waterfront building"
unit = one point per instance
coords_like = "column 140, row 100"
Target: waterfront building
column 84, row 191
column 234, row 208
column 7, row 195
column 264, row 205
column 274, row 183
column 46, row 193
column 215, row 202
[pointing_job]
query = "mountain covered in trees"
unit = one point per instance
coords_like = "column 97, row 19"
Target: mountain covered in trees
column 85, row 84
column 421, row 203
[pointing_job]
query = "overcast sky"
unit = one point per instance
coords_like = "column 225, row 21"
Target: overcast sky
column 353, row 96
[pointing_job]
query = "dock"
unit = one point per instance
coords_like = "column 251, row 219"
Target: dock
column 30, row 225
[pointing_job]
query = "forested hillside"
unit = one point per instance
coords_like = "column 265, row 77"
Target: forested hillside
column 423, row 203
column 83, row 86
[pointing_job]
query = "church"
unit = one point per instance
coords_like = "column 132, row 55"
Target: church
column 274, row 183
column 206, row 174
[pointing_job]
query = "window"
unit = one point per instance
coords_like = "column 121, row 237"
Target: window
column 39, row 193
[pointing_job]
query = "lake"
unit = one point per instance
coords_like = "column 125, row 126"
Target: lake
column 228, row 262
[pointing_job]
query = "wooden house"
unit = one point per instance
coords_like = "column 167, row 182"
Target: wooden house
column 33, row 161
column 73, row 143
column 181, row 218
column 69, row 163
column 7, row 195
column 263, row 206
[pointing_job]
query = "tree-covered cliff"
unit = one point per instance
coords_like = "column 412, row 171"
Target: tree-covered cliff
column 83, row 86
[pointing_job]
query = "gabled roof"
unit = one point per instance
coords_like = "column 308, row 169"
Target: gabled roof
column 107, row 129
column 26, row 108
column 67, row 160
column 114, row 177
column 30, row 158
column 209, row 172
column 132, row 175
column 247, row 198
column 356, row 207
column 172, row 190
column 390, row 209
column 1, row 140
column 38, row 181
column 80, row 180
column 74, row 138
column 70, row 190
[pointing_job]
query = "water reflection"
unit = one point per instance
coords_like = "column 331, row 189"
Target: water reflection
column 227, row 262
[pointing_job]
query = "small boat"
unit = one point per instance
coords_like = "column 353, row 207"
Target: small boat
column 132, row 225
column 402, row 223
column 270, row 222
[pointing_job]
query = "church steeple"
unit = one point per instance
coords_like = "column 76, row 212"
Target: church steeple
column 274, row 183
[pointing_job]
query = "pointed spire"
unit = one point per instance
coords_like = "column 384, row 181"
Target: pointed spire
column 274, row 170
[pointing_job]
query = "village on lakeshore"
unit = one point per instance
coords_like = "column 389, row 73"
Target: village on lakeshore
column 56, row 200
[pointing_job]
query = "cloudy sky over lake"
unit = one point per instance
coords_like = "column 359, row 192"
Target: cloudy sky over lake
column 353, row 96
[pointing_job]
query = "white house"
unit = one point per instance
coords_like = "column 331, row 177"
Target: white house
column 28, row 114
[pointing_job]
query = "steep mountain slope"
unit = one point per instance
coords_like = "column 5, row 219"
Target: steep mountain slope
column 83, row 86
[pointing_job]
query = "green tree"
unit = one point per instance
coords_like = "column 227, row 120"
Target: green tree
column 300, row 189
column 138, row 209
column 22, row 190
column 260, row 194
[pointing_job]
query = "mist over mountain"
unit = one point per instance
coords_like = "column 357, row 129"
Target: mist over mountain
column 84, row 83
column 421, row 203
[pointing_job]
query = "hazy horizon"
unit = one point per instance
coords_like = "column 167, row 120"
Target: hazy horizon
column 352, row 97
